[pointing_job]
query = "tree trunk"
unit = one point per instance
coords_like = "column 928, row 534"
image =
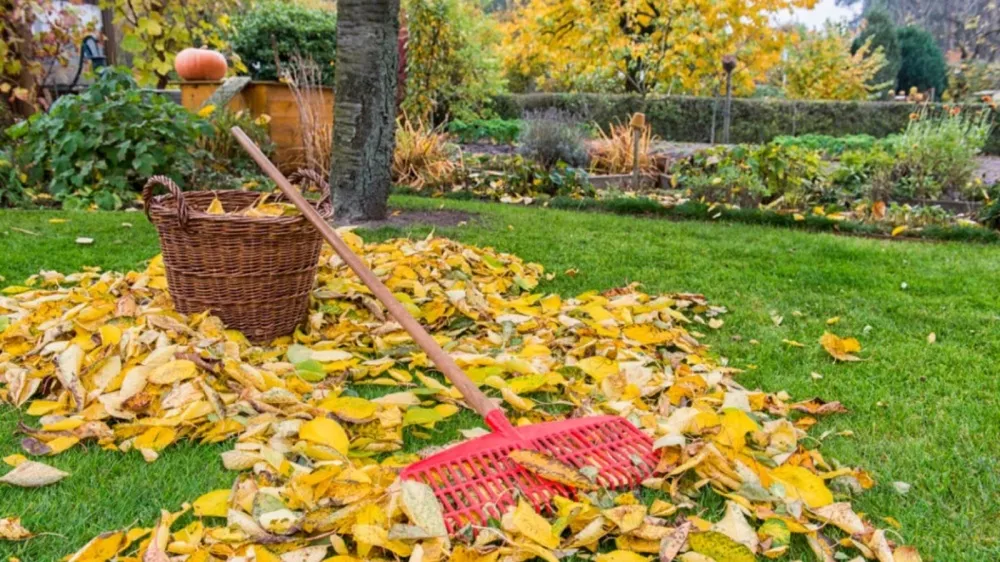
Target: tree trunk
column 364, row 131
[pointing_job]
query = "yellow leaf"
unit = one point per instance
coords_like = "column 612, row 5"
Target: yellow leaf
column 212, row 504
column 841, row 349
column 42, row 407
column 350, row 408
column 627, row 517
column 14, row 460
column 325, row 431
column 899, row 230
column 110, row 335
column 156, row 438
column 533, row 525
column 173, row 371
column 801, row 484
column 598, row 367
column 215, row 207
column 621, row 556
column 206, row 111
column 550, row 468
column 719, row 547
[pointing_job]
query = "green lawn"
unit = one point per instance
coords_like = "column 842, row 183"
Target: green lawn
column 924, row 414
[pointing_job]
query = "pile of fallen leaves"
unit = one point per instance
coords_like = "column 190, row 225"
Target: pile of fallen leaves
column 321, row 421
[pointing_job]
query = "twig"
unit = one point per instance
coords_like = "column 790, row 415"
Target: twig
column 24, row 231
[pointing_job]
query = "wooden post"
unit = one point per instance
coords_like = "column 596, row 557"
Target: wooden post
column 638, row 124
column 728, row 64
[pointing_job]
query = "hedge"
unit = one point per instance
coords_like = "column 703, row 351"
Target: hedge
column 755, row 120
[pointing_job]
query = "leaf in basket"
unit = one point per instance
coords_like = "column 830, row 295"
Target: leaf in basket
column 215, row 207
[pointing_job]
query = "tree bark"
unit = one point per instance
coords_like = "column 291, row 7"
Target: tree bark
column 364, row 131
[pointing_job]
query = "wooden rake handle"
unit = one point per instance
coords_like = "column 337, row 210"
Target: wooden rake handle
column 475, row 397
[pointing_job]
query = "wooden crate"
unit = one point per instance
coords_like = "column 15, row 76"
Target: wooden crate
column 267, row 98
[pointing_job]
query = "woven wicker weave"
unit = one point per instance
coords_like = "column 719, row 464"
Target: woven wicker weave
column 255, row 273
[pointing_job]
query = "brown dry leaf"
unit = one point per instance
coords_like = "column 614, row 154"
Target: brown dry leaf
column 31, row 474
column 672, row 544
column 841, row 349
column 11, row 529
column 551, row 468
column 842, row 515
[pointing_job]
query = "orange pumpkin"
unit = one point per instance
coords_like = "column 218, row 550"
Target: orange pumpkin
column 200, row 64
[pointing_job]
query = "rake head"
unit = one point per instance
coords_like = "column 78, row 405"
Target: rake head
column 476, row 481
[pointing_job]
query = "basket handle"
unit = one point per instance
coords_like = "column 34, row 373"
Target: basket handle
column 312, row 175
column 175, row 191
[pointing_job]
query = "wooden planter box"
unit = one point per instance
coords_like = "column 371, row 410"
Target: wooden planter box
column 274, row 99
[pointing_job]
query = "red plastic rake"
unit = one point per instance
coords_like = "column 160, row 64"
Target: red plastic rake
column 477, row 480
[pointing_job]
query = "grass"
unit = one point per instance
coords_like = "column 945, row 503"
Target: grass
column 924, row 414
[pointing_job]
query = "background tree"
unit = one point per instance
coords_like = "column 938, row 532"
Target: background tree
column 880, row 32
column 154, row 31
column 365, row 107
column 970, row 27
column 644, row 45
column 452, row 62
column 822, row 66
column 26, row 55
column 923, row 65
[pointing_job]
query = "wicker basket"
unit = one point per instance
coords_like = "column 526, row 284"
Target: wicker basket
column 255, row 273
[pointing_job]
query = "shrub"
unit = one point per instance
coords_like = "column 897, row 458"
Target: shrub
column 937, row 154
column 98, row 146
column 422, row 157
column 496, row 177
column 12, row 190
column 499, row 131
column 452, row 61
column 614, row 152
column 290, row 28
column 865, row 172
column 720, row 175
column 791, row 172
column 220, row 161
column 553, row 136
column 923, row 65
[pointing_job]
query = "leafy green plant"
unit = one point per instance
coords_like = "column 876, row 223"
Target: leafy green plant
column 499, row 176
column 554, row 136
column 219, row 157
column 12, row 190
column 290, row 29
column 99, row 146
column 937, row 152
column 791, row 172
column 499, row 131
column 865, row 173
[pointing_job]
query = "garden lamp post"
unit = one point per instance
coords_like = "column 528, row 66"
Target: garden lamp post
column 728, row 64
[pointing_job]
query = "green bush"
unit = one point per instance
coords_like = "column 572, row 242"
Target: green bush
column 865, row 173
column 792, row 172
column 499, row 131
column 292, row 29
column 689, row 119
column 553, row 136
column 12, row 190
column 100, row 146
column 936, row 155
column 923, row 66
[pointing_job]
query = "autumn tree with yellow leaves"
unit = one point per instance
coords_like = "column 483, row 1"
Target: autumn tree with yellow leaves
column 644, row 46
column 822, row 67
